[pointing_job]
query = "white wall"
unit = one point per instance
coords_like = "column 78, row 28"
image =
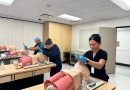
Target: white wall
column 16, row 32
column 107, row 23
column 84, row 36
column 123, row 51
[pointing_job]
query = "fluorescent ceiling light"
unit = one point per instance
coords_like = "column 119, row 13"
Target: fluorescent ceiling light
column 124, row 4
column 69, row 17
column 6, row 2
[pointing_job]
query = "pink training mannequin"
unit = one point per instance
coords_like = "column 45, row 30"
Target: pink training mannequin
column 68, row 79
column 25, row 60
column 13, row 53
column 2, row 48
column 59, row 81
column 31, row 59
column 10, row 47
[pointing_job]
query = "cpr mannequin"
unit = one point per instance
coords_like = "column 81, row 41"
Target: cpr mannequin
column 31, row 59
column 13, row 52
column 7, row 47
column 70, row 79
column 79, row 73
column 18, row 53
column 23, row 52
column 10, row 47
column 2, row 47
column 39, row 57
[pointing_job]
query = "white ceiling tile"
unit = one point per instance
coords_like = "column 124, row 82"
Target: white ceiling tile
column 89, row 10
column 59, row 2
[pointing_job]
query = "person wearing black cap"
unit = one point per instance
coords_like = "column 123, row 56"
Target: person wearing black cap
column 96, row 58
column 52, row 51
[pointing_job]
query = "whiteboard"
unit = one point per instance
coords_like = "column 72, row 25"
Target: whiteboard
column 84, row 35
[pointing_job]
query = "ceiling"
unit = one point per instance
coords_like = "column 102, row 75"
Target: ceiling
column 88, row 10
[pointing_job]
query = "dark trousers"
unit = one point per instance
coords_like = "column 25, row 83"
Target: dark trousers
column 55, row 70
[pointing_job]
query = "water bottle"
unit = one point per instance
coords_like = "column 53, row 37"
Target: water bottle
column 2, row 65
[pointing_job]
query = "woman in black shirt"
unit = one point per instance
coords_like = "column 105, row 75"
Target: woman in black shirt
column 97, row 58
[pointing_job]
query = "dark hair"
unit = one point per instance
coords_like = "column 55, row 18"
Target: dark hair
column 95, row 37
column 48, row 42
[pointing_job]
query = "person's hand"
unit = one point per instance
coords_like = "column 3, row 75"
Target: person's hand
column 41, row 50
column 77, row 56
column 82, row 59
column 25, row 47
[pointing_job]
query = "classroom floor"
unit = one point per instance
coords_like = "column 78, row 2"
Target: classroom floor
column 121, row 79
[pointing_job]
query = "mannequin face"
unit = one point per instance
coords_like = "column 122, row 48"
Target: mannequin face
column 94, row 45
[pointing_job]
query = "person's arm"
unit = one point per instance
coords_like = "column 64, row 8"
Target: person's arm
column 97, row 65
column 36, row 47
column 33, row 48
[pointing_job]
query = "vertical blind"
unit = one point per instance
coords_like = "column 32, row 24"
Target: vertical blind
column 16, row 32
